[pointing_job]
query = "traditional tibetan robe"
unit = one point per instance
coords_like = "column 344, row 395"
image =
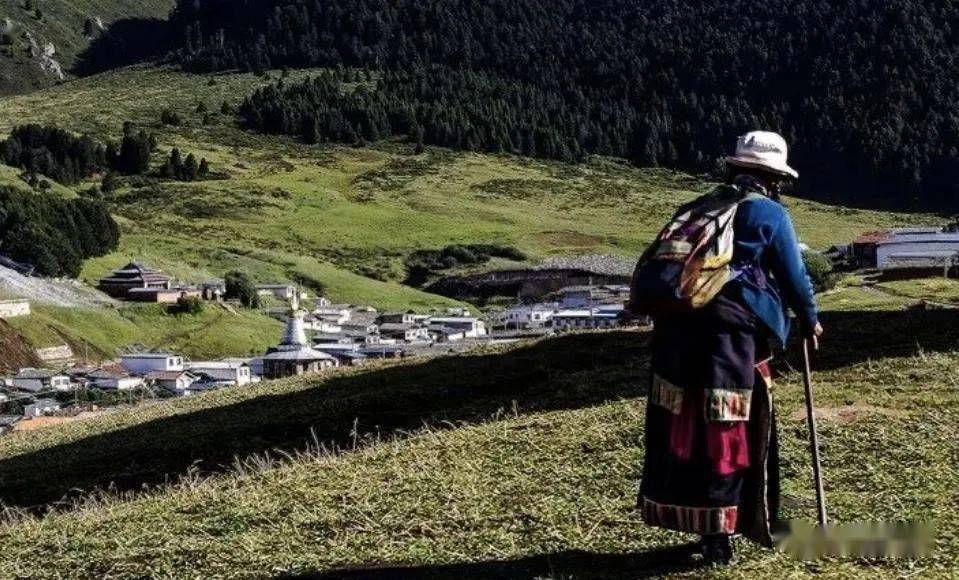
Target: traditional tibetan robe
column 711, row 454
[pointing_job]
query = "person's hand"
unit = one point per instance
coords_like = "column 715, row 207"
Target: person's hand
column 814, row 335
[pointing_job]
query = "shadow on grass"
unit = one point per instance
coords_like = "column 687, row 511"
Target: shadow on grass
column 570, row 565
column 569, row 372
column 858, row 336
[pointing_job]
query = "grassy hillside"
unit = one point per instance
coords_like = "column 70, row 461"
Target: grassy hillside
column 527, row 467
column 61, row 23
column 292, row 209
column 337, row 218
column 102, row 333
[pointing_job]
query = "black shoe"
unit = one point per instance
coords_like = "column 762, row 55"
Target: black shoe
column 717, row 549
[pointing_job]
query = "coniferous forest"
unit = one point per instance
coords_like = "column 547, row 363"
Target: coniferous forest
column 52, row 234
column 865, row 90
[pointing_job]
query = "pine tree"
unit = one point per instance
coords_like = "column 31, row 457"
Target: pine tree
column 190, row 168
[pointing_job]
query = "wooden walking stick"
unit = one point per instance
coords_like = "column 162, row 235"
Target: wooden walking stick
column 813, row 436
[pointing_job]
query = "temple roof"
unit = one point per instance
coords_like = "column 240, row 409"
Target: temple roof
column 135, row 271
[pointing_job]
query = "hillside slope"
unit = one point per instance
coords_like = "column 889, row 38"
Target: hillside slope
column 347, row 217
column 43, row 47
column 527, row 467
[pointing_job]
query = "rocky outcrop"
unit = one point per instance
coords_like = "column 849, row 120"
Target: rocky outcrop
column 44, row 56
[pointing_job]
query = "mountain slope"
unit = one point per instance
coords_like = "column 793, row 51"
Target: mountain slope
column 39, row 51
column 870, row 120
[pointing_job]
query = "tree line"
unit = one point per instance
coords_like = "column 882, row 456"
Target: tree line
column 68, row 159
column 864, row 90
column 52, row 234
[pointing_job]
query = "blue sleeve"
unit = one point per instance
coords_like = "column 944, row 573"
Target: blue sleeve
column 785, row 260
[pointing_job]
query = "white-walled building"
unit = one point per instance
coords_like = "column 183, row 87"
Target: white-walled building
column 533, row 316
column 231, row 372
column 35, row 380
column 405, row 332
column 336, row 314
column 470, row 326
column 173, row 381
column 143, row 363
column 586, row 319
column 114, row 381
column 279, row 291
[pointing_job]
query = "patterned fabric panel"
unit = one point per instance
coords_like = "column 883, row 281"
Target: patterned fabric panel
column 766, row 372
column 728, row 404
column 666, row 395
column 695, row 520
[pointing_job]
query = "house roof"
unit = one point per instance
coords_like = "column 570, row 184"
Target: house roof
column 108, row 374
column 218, row 365
column 134, row 272
column 149, row 355
column 348, row 355
column 396, row 327
column 45, row 403
column 218, row 374
column 35, row 374
column 302, row 354
column 166, row 375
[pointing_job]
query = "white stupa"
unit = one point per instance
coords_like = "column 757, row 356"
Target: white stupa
column 294, row 356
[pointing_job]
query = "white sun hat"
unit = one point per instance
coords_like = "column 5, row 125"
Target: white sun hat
column 763, row 150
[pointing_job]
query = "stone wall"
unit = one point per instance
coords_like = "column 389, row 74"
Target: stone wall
column 13, row 308
column 55, row 353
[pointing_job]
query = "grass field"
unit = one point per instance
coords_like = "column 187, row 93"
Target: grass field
column 511, row 462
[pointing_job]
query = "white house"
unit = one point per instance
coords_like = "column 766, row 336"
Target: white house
column 143, row 363
column 470, row 326
column 279, row 291
column 335, row 314
column 319, row 324
column 224, row 372
column 534, row 316
column 173, row 381
column 405, row 332
column 114, row 381
column 409, row 317
column 585, row 319
column 447, row 335
column 41, row 407
column 35, row 380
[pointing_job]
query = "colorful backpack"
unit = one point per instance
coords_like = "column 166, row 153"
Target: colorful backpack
column 689, row 262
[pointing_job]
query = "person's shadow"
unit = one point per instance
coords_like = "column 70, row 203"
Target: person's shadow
column 567, row 565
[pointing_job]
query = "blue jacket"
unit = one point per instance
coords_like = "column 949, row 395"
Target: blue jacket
column 768, row 266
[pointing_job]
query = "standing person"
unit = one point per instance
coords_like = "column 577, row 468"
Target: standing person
column 711, row 464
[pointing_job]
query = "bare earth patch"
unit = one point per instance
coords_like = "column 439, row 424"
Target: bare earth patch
column 847, row 413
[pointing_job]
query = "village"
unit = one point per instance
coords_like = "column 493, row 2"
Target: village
column 319, row 336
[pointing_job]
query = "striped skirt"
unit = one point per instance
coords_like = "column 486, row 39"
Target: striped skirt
column 711, row 464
